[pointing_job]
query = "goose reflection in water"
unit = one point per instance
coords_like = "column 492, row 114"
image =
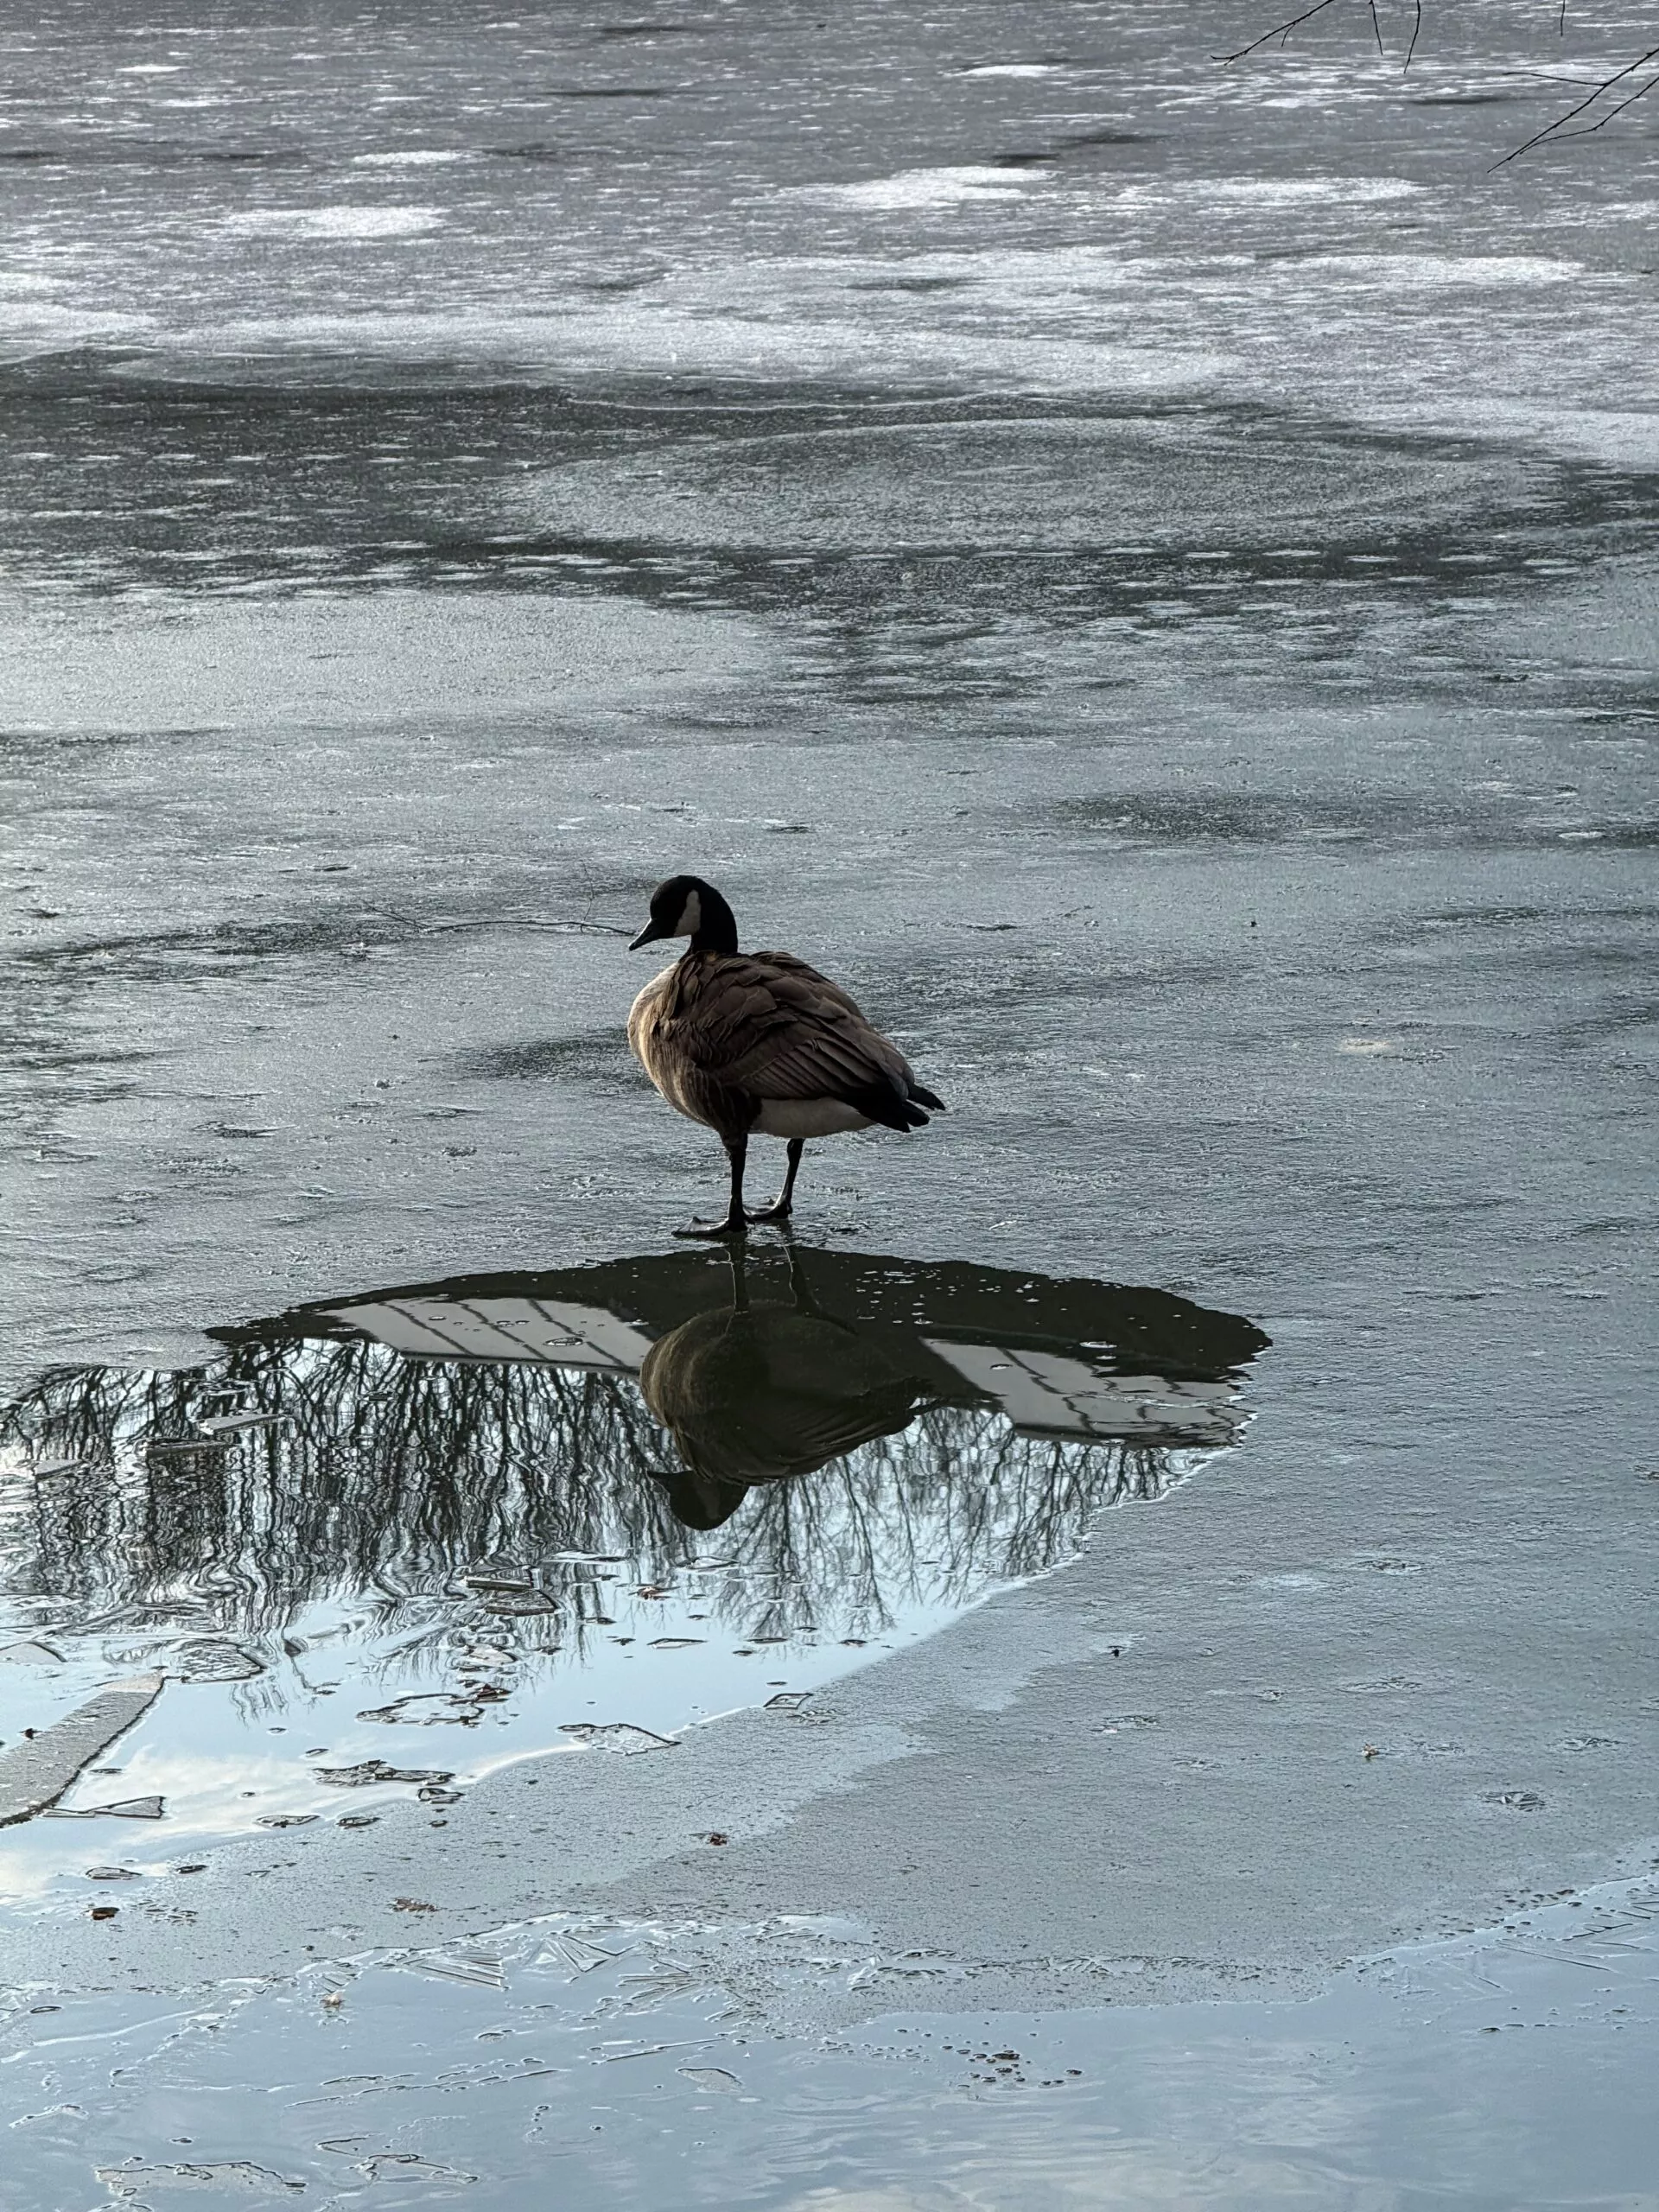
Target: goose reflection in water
column 520, row 1470
column 761, row 1391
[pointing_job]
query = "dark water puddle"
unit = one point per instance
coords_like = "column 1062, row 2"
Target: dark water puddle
column 397, row 1539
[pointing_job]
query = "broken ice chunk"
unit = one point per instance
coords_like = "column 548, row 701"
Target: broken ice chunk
column 618, row 1736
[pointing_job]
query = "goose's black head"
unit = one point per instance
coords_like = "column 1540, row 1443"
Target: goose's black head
column 687, row 906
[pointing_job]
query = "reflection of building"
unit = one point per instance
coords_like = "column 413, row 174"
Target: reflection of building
column 1048, row 1393
column 754, row 1386
column 547, row 1329
column 1061, row 1358
column 1045, row 1390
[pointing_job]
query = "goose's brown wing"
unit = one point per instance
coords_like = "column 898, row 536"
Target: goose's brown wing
column 768, row 1024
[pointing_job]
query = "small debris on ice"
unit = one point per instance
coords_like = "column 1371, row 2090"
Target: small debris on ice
column 711, row 2077
column 125, row 1809
column 370, row 1770
column 617, row 1736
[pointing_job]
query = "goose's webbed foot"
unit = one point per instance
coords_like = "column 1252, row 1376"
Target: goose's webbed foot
column 726, row 1228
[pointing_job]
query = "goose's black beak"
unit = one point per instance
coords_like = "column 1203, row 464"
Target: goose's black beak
column 649, row 934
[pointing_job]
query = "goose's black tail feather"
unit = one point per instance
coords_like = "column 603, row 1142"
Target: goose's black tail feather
column 892, row 1109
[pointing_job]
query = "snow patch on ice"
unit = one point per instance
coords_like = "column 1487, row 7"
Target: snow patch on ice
column 412, row 157
column 939, row 188
column 1271, row 191
column 336, row 222
column 1438, row 270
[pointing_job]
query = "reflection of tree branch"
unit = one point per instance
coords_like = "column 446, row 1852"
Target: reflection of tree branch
column 383, row 1479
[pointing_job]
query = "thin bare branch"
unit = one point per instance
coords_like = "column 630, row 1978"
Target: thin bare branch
column 1617, row 108
column 1558, row 127
column 1575, row 78
column 1377, row 28
column 1280, row 31
column 1416, row 33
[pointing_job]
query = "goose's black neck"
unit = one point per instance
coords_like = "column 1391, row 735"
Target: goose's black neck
column 717, row 929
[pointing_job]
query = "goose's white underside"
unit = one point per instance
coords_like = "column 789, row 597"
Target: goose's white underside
column 807, row 1117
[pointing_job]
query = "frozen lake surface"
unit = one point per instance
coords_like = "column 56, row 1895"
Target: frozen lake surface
column 1146, row 571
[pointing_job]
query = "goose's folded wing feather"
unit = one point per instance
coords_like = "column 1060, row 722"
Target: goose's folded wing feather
column 768, row 1024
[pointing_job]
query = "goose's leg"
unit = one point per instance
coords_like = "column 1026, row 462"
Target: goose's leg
column 736, row 1220
column 783, row 1205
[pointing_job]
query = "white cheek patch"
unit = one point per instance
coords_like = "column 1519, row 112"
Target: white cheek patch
column 690, row 915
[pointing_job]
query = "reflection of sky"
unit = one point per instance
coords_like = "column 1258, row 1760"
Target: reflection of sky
column 207, row 1567
column 222, row 1768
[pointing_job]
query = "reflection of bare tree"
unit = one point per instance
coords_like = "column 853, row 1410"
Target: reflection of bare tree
column 483, row 1500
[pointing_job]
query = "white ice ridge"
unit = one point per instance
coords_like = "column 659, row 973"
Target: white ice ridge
column 337, row 222
column 1440, row 269
column 1269, row 191
column 930, row 187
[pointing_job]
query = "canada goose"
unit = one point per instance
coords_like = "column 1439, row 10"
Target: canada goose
column 759, row 1043
column 757, row 1394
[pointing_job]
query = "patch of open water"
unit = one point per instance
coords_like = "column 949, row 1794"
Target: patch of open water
column 392, row 1543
